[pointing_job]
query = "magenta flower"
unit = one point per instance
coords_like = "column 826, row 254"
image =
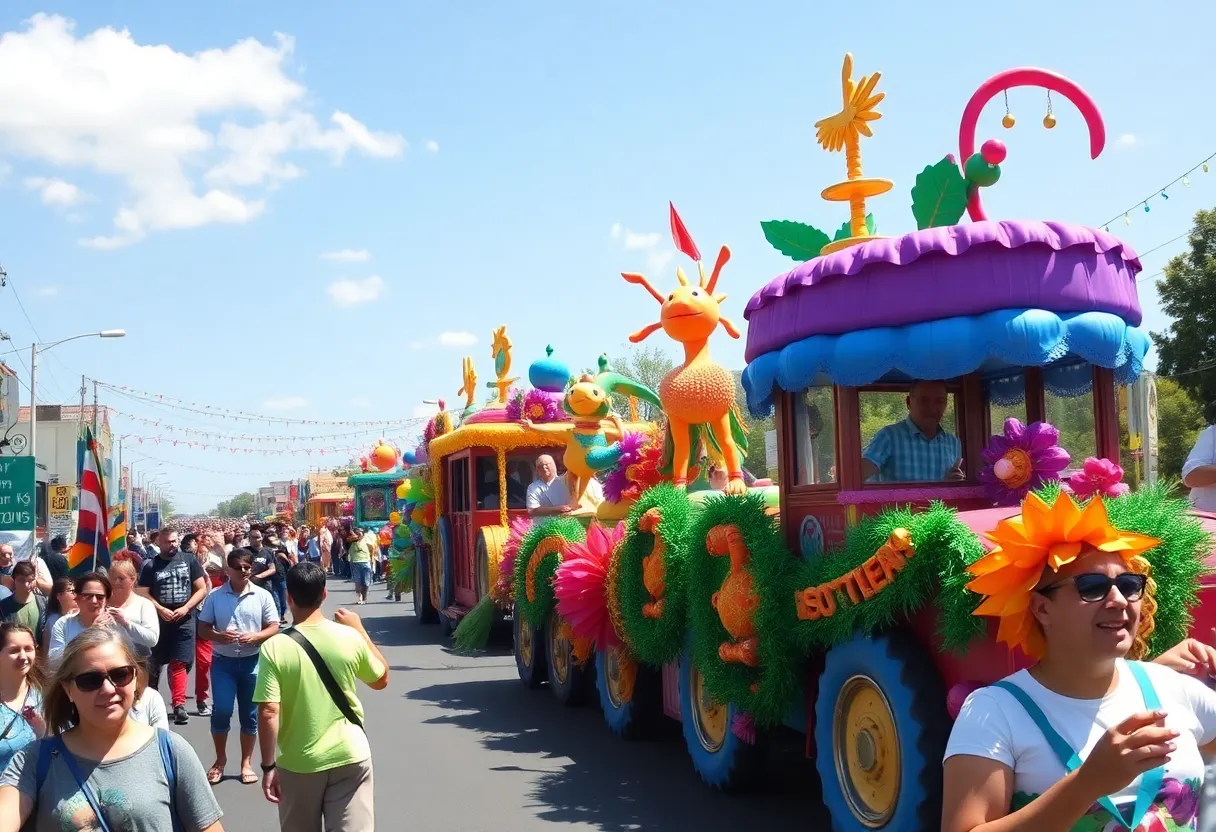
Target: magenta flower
column 1098, row 476
column 536, row 405
column 1021, row 460
column 617, row 481
column 515, row 404
column 1181, row 799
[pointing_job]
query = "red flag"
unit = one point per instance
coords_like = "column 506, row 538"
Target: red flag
column 682, row 238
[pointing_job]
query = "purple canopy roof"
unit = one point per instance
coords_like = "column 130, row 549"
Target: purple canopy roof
column 957, row 270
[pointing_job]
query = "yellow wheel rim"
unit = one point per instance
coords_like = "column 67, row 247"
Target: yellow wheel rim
column 866, row 751
column 559, row 649
column 709, row 717
column 523, row 639
column 619, row 668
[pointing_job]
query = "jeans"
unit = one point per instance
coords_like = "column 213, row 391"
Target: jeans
column 279, row 590
column 233, row 679
column 361, row 574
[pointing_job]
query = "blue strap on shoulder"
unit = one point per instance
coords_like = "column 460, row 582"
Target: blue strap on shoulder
column 44, row 765
column 81, row 781
column 170, row 763
column 1150, row 781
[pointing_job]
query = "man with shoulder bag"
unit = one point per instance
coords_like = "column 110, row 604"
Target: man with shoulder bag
column 309, row 713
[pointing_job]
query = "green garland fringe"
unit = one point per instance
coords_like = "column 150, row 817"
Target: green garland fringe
column 402, row 571
column 473, row 632
column 776, row 678
column 537, row 612
column 655, row 641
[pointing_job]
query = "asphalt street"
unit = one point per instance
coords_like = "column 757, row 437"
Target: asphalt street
column 458, row 743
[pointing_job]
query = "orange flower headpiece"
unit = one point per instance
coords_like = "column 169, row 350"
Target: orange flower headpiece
column 1042, row 535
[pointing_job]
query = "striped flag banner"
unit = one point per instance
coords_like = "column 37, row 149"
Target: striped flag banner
column 118, row 530
column 91, row 548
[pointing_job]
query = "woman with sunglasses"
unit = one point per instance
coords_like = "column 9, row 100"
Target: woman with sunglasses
column 93, row 592
column 21, row 686
column 1089, row 737
column 63, row 602
column 106, row 771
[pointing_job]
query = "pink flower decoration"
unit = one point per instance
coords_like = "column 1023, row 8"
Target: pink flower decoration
column 536, row 405
column 1098, row 476
column 581, row 583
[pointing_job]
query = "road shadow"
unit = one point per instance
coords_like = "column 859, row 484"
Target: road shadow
column 616, row 785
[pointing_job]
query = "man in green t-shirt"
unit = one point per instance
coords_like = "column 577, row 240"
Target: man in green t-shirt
column 362, row 553
column 23, row 606
column 323, row 769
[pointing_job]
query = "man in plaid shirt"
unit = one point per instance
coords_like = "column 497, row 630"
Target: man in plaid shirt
column 916, row 449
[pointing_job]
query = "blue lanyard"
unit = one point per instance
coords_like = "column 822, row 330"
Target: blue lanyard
column 1150, row 781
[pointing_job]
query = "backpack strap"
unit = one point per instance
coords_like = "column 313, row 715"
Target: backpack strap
column 327, row 678
column 81, row 781
column 1150, row 781
column 170, row 762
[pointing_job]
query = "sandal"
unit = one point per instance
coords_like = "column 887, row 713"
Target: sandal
column 215, row 774
column 248, row 778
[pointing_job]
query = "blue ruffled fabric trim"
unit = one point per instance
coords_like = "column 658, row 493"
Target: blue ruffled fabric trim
column 995, row 343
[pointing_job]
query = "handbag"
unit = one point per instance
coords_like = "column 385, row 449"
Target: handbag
column 327, row 678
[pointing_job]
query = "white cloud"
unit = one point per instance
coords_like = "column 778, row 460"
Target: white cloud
column 1126, row 140
column 656, row 258
column 46, row 291
column 163, row 122
column 432, row 146
column 350, row 292
column 54, row 191
column 285, row 403
column 361, row 403
column 457, row 339
column 348, row 255
column 424, row 411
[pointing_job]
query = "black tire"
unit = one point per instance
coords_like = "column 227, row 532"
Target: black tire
column 892, row 683
column 722, row 760
column 424, row 610
column 529, row 652
column 567, row 680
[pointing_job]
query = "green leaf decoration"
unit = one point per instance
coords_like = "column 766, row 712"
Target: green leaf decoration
column 795, row 240
column 939, row 196
column 846, row 230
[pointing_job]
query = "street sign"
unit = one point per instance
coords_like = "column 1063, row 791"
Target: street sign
column 60, row 519
column 16, row 493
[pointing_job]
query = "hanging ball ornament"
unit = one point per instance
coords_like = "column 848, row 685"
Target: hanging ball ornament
column 1049, row 121
column 1008, row 121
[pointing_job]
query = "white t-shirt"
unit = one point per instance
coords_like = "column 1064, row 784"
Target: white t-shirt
column 993, row 724
column 556, row 493
column 1204, row 453
column 150, row 710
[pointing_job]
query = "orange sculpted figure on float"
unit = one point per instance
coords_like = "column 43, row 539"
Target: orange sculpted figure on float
column 699, row 396
column 654, row 573
column 736, row 601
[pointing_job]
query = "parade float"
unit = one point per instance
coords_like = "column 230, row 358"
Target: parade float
column 846, row 611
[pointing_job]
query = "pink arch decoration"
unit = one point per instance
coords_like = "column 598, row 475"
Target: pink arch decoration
column 1025, row 77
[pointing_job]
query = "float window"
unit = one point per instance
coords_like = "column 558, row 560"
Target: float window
column 910, row 434
column 1073, row 417
column 487, row 482
column 815, row 435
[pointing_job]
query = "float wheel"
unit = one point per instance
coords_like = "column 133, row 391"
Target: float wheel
column 631, row 693
column 881, row 727
column 529, row 654
column 725, row 762
column 567, row 680
column 424, row 610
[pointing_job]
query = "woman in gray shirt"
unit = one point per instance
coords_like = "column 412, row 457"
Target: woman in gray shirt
column 107, row 764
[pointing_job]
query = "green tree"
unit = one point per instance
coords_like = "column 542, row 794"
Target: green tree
column 1188, row 295
column 648, row 366
column 238, row 506
column 1179, row 421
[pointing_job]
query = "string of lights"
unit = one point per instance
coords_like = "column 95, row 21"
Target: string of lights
column 1161, row 193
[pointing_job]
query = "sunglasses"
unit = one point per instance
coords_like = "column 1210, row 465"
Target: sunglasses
column 91, row 680
column 1094, row 587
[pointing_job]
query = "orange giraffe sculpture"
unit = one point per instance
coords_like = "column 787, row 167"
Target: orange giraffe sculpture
column 698, row 396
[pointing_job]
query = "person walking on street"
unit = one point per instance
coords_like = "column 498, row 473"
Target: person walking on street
column 337, row 553
column 57, row 558
column 175, row 584
column 323, row 768
column 361, row 554
column 237, row 616
column 190, row 545
column 326, row 542
column 24, row 607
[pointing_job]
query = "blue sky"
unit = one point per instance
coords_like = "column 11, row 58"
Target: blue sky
column 486, row 154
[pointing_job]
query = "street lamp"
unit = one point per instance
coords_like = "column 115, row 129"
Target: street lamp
column 34, row 347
